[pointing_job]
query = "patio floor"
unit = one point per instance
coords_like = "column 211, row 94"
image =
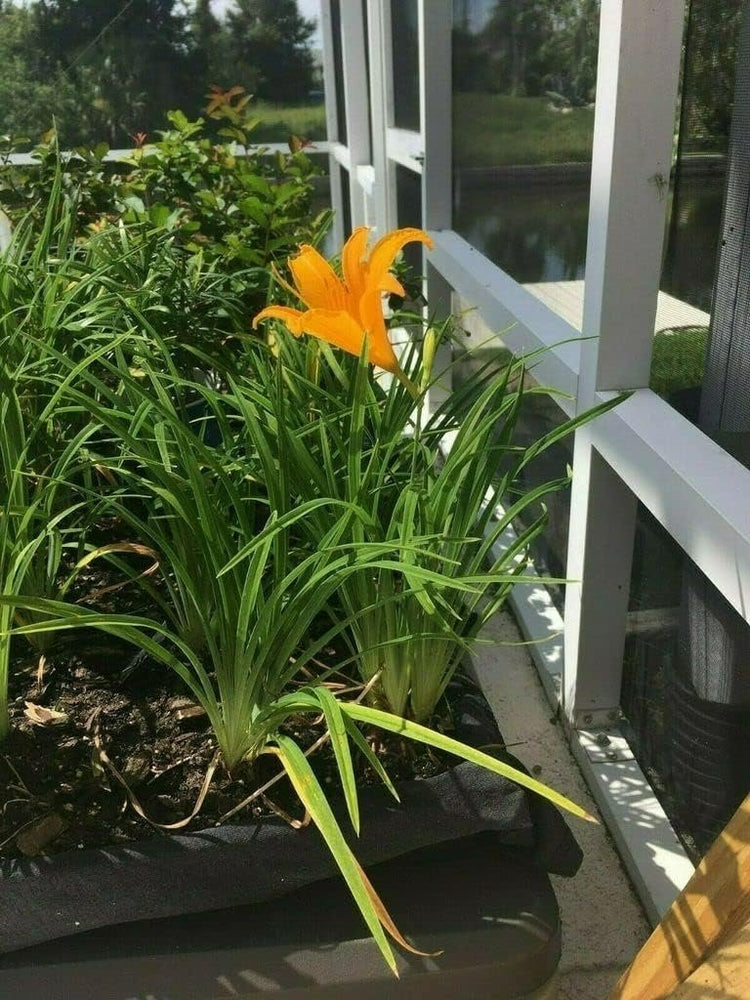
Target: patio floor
column 603, row 923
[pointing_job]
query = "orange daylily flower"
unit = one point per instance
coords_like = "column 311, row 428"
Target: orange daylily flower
column 344, row 312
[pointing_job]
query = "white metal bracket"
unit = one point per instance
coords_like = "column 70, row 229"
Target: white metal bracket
column 604, row 746
column 596, row 718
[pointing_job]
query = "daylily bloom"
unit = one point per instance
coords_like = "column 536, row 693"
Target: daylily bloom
column 345, row 312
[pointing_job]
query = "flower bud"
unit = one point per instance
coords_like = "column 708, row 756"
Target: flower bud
column 429, row 346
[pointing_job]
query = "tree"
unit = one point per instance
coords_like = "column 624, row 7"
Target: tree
column 128, row 60
column 29, row 98
column 209, row 40
column 527, row 47
column 570, row 51
column 515, row 34
column 708, row 79
column 204, row 24
column 270, row 49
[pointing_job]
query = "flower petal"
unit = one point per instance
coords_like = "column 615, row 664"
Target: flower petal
column 386, row 249
column 371, row 317
column 335, row 326
column 351, row 261
column 317, row 283
column 392, row 285
column 292, row 317
column 342, row 330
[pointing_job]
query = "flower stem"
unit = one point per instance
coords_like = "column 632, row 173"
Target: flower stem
column 407, row 382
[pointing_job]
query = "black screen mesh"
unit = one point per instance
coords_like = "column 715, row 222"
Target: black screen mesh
column 686, row 683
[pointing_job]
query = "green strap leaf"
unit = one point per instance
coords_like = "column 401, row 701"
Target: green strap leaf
column 421, row 734
column 313, row 798
column 340, row 744
column 370, row 756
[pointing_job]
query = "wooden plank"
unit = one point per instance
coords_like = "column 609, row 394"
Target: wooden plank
column 566, row 299
column 653, row 620
column 673, row 313
column 712, row 905
column 563, row 297
column 725, row 974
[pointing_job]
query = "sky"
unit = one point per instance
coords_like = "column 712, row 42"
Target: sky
column 308, row 8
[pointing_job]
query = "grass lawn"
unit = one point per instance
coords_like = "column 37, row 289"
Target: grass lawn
column 488, row 129
column 679, row 359
column 276, row 122
column 494, row 129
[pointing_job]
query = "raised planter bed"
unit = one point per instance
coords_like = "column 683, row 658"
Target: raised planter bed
column 493, row 915
column 468, row 878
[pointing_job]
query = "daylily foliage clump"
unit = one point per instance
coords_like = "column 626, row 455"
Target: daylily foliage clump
column 374, row 445
column 287, row 497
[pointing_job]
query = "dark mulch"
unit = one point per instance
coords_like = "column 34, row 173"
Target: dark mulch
column 57, row 792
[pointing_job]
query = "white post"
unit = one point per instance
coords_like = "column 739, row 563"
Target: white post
column 378, row 43
column 435, row 97
column 638, row 72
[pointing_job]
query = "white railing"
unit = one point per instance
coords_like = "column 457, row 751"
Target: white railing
column 119, row 155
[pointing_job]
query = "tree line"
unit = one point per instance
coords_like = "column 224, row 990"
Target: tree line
column 528, row 48
column 110, row 69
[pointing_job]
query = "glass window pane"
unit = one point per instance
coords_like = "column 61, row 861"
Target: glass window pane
column 322, row 203
column 346, row 198
column 696, row 197
column 686, row 687
column 405, row 47
column 338, row 72
column 408, row 197
column 524, row 79
column 106, row 71
column 366, row 30
column 409, row 212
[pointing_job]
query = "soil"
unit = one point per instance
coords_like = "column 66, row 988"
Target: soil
column 81, row 719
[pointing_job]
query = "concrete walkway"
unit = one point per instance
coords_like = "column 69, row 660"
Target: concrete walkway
column 603, row 924
column 566, row 299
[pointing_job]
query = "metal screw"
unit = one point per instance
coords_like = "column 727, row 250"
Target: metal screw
column 602, row 739
column 611, row 755
column 588, row 719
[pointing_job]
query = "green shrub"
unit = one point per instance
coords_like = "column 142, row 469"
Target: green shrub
column 243, row 212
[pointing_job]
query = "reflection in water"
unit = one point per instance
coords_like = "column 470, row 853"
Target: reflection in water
column 538, row 233
column 534, row 233
column 693, row 238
